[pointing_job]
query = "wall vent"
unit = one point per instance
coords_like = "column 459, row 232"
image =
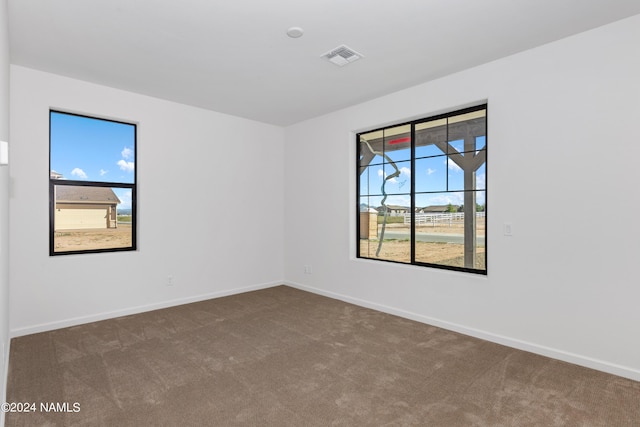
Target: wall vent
column 342, row 55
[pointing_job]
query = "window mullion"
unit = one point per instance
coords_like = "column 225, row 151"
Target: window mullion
column 412, row 224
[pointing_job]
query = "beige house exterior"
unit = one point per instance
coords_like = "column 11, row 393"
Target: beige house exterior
column 80, row 207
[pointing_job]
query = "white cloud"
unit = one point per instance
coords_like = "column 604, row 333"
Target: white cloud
column 126, row 166
column 127, row 152
column 430, row 171
column 403, row 171
column 381, row 174
column 453, row 198
column 103, row 172
column 398, row 200
column 453, row 166
column 125, row 198
column 79, row 173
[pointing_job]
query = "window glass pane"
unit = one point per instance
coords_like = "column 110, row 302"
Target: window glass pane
column 91, row 218
column 431, row 174
column 440, row 234
column 364, row 182
column 428, row 151
column 397, row 143
column 398, row 184
column 481, row 227
column 391, row 249
column 90, row 149
column 455, row 176
column 481, row 230
column 466, row 126
column 481, row 201
column 368, row 221
column 430, row 138
column 439, row 202
column 481, row 142
column 481, row 177
column 457, row 145
column 461, row 147
column 396, row 244
column 374, row 177
column 367, row 246
column 395, row 206
column 367, row 152
column 370, row 202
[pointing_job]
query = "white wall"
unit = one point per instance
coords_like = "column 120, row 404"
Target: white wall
column 564, row 144
column 4, row 200
column 210, row 195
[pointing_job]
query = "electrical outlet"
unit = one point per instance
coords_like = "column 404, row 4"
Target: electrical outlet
column 170, row 280
column 508, row 231
column 308, row 269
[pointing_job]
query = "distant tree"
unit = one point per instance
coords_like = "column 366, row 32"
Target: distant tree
column 479, row 208
column 451, row 208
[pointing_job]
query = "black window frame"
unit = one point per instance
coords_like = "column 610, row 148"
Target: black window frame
column 359, row 169
column 101, row 184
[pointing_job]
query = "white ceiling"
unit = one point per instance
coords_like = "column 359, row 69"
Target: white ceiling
column 235, row 57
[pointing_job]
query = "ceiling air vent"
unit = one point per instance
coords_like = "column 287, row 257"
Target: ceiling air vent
column 342, row 55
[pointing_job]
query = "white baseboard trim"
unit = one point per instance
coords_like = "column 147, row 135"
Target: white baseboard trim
column 576, row 359
column 50, row 326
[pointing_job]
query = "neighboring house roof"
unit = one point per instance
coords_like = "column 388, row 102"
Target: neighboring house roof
column 435, row 208
column 55, row 175
column 394, row 208
column 82, row 194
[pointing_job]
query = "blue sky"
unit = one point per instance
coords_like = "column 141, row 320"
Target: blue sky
column 88, row 149
column 434, row 175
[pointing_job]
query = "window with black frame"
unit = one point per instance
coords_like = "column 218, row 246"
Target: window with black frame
column 422, row 192
column 92, row 184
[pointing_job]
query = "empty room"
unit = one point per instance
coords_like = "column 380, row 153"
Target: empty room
column 315, row 213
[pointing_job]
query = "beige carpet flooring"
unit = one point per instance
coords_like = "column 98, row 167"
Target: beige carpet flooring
column 284, row 357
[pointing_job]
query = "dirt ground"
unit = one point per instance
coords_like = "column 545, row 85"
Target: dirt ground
column 395, row 250
column 436, row 253
column 80, row 240
column 455, row 228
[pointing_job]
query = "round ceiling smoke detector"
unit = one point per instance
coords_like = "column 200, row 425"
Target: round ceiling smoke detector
column 295, row 32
